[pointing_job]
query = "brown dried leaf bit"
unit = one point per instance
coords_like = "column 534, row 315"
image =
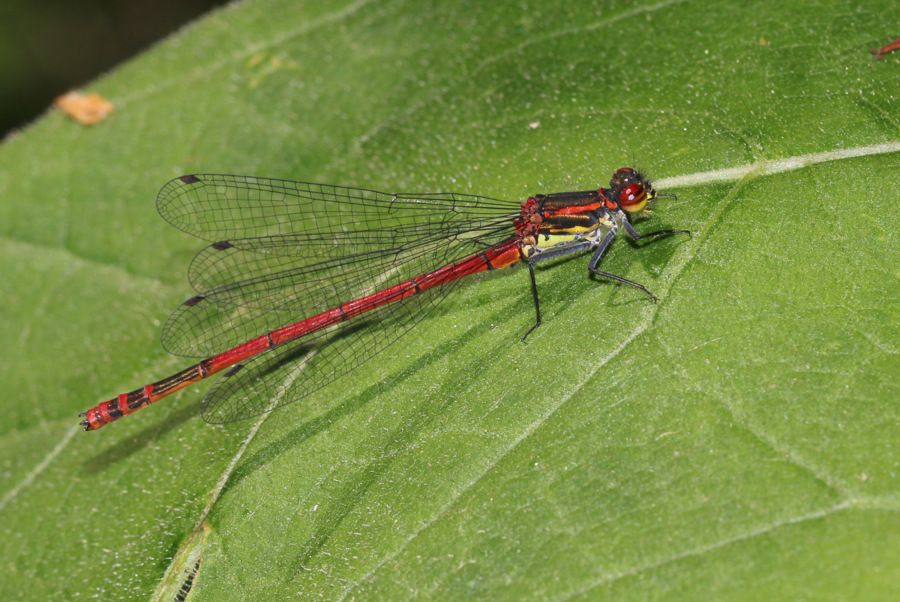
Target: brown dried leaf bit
column 84, row 108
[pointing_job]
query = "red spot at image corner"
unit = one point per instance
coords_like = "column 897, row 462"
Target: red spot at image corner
column 87, row 109
column 878, row 52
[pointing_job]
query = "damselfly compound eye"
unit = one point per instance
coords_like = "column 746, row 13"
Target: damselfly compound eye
column 633, row 198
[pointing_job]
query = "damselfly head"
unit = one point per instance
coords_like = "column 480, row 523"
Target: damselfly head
column 631, row 190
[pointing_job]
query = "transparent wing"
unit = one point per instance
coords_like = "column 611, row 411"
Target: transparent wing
column 278, row 293
column 284, row 251
column 226, row 207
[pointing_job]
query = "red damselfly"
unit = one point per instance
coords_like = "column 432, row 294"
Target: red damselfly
column 358, row 268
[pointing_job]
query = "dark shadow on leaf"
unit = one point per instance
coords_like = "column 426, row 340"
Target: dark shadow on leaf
column 135, row 443
column 319, row 424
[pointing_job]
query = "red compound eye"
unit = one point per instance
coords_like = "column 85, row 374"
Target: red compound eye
column 633, row 198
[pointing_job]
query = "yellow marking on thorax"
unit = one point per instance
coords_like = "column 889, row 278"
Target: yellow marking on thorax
column 554, row 238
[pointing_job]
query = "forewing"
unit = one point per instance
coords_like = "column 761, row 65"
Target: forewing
column 227, row 207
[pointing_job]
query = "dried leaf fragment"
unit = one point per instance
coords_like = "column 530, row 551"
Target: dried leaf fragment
column 84, row 108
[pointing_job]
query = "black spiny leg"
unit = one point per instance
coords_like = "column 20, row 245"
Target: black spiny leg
column 549, row 254
column 537, row 305
column 598, row 255
column 634, row 233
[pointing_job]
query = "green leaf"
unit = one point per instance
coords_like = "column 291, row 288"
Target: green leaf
column 735, row 440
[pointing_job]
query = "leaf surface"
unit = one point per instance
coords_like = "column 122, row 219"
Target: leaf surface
column 736, row 439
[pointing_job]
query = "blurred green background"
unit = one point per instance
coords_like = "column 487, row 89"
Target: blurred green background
column 48, row 47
